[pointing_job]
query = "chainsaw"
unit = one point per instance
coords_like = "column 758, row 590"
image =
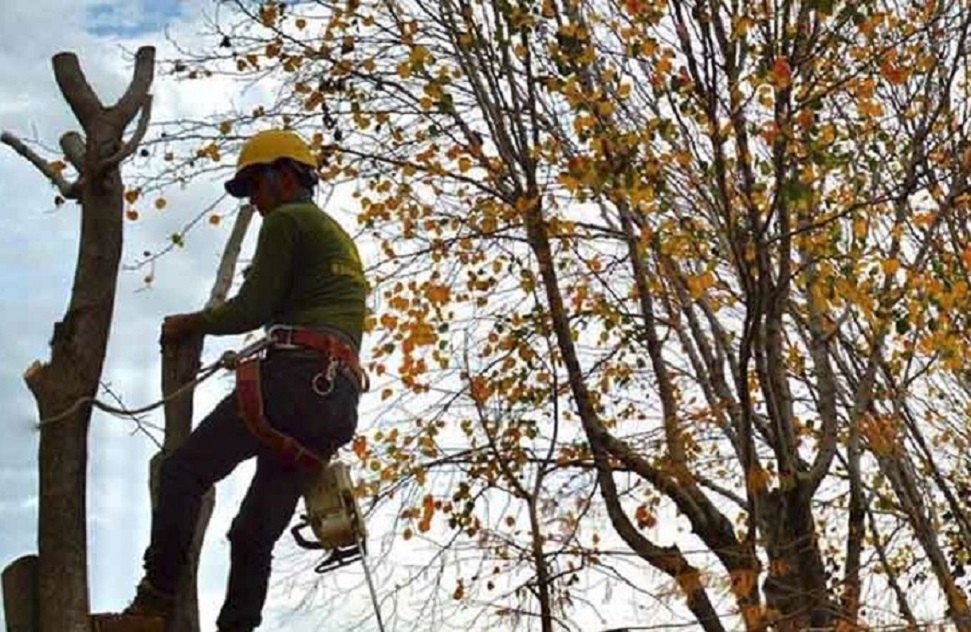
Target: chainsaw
column 335, row 520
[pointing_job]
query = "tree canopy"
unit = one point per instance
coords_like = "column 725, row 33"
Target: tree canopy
column 668, row 295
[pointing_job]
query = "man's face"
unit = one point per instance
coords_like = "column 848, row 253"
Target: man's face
column 261, row 194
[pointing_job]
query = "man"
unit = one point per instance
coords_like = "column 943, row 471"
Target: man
column 306, row 276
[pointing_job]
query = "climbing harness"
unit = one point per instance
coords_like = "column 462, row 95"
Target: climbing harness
column 332, row 514
column 338, row 355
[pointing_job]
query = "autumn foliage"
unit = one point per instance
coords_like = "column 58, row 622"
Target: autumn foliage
column 678, row 282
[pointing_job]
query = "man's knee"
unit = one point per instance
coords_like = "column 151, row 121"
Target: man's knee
column 180, row 473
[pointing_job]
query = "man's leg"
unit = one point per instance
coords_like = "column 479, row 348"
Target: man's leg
column 264, row 515
column 211, row 452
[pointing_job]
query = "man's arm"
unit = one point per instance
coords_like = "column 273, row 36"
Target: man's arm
column 263, row 289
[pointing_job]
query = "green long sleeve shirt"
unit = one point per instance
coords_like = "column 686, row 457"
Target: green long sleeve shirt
column 306, row 272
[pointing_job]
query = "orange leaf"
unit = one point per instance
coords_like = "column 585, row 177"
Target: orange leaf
column 437, row 294
column 781, row 72
column 359, row 446
column 131, row 214
column 131, row 195
column 214, row 220
column 893, row 73
column 645, row 520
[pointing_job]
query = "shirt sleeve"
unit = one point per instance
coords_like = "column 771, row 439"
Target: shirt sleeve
column 265, row 286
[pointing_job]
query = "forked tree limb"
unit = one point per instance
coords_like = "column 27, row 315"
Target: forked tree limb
column 132, row 101
column 85, row 104
column 129, row 147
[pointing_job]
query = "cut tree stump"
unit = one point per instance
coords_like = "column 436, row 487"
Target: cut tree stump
column 20, row 595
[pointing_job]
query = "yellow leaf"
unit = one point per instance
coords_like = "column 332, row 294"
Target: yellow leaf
column 624, row 91
column 160, row 203
column 214, row 220
column 465, row 163
column 419, row 55
column 890, row 266
column 605, row 108
column 386, row 393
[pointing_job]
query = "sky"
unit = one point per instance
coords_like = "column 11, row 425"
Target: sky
column 38, row 246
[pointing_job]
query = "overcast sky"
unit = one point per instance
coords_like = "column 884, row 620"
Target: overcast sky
column 37, row 255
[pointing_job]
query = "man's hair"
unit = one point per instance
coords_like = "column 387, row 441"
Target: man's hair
column 306, row 175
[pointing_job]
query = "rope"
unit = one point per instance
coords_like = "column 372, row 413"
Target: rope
column 228, row 360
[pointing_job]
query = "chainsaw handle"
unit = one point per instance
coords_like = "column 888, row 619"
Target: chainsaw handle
column 302, row 541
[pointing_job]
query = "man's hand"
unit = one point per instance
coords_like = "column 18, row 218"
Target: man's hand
column 179, row 326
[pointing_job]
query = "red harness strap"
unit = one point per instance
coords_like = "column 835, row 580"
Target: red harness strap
column 249, row 394
column 330, row 345
column 250, row 398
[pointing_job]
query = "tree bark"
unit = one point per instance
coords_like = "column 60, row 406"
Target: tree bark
column 64, row 387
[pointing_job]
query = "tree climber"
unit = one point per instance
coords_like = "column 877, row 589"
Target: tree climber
column 306, row 286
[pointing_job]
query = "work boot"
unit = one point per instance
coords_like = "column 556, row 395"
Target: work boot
column 151, row 602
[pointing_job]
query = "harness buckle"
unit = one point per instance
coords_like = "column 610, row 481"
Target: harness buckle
column 281, row 336
column 329, row 374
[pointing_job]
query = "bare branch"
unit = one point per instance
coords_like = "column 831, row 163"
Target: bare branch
column 68, row 189
column 227, row 264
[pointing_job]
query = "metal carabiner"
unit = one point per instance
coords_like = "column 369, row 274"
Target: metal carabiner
column 329, row 374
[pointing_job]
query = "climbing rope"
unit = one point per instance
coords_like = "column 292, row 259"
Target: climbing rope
column 227, row 360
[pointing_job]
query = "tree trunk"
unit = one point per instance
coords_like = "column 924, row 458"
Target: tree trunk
column 180, row 364
column 64, row 387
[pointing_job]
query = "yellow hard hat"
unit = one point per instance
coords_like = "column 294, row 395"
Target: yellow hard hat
column 265, row 148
